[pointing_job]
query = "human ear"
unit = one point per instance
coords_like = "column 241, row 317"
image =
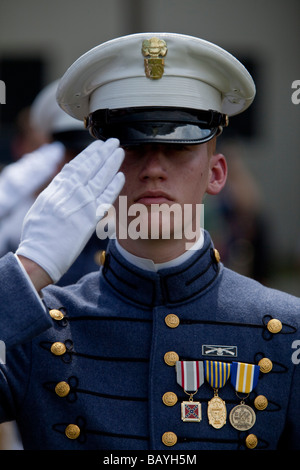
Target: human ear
column 217, row 174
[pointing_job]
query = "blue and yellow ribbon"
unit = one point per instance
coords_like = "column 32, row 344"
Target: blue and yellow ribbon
column 217, row 373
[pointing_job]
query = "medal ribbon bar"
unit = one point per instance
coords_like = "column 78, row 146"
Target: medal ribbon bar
column 244, row 376
column 217, row 373
column 190, row 375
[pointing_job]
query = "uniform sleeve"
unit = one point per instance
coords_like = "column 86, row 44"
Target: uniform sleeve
column 22, row 313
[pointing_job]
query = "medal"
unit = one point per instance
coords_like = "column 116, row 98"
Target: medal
column 217, row 374
column 242, row 417
column 244, row 378
column 190, row 377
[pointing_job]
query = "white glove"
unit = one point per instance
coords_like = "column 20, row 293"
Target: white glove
column 63, row 218
column 19, row 180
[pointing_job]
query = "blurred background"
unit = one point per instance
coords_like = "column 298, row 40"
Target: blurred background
column 255, row 222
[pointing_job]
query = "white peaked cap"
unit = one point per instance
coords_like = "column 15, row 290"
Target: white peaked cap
column 46, row 115
column 192, row 73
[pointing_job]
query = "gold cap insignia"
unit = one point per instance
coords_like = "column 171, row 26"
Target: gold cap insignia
column 154, row 50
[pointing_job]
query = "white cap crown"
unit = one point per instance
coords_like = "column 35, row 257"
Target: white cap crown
column 156, row 69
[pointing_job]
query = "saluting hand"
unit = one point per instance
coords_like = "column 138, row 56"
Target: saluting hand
column 63, row 217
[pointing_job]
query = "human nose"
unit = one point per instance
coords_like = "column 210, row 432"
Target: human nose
column 154, row 165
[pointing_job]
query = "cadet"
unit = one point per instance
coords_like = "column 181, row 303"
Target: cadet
column 163, row 348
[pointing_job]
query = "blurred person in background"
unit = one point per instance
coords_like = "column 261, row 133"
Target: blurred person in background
column 236, row 218
column 27, row 137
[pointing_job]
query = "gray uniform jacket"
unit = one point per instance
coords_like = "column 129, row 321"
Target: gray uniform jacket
column 95, row 369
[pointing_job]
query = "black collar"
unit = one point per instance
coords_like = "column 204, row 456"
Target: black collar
column 168, row 286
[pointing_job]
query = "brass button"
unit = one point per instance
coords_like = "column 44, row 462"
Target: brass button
column 169, row 398
column 169, row 439
column 58, row 348
column 62, row 389
column 265, row 365
column 170, row 358
column 72, row 431
column 56, row 314
column 172, row 321
column 251, row 441
column 260, row 402
column 100, row 257
column 274, row 326
column 217, row 256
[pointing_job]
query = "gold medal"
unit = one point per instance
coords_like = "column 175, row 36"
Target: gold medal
column 217, row 374
column 244, row 378
column 242, row 417
column 216, row 412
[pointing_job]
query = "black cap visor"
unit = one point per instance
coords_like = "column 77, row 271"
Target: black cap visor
column 135, row 126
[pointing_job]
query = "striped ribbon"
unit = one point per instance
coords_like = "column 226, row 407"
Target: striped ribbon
column 190, row 375
column 244, row 376
column 217, row 373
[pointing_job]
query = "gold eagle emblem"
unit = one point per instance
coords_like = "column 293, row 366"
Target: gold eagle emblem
column 154, row 50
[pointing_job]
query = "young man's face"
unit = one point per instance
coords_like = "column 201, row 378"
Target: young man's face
column 168, row 174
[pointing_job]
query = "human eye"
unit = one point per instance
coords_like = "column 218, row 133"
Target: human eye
column 131, row 150
column 179, row 149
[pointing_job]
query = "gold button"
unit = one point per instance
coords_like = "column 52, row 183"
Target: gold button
column 172, row 321
column 251, row 441
column 169, row 439
column 62, row 389
column 170, row 358
column 56, row 314
column 100, row 257
column 274, row 326
column 217, row 256
column 169, row 398
column 58, row 348
column 72, row 431
column 260, row 402
column 265, row 365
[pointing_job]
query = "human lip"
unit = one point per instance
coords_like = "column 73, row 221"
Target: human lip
column 153, row 197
